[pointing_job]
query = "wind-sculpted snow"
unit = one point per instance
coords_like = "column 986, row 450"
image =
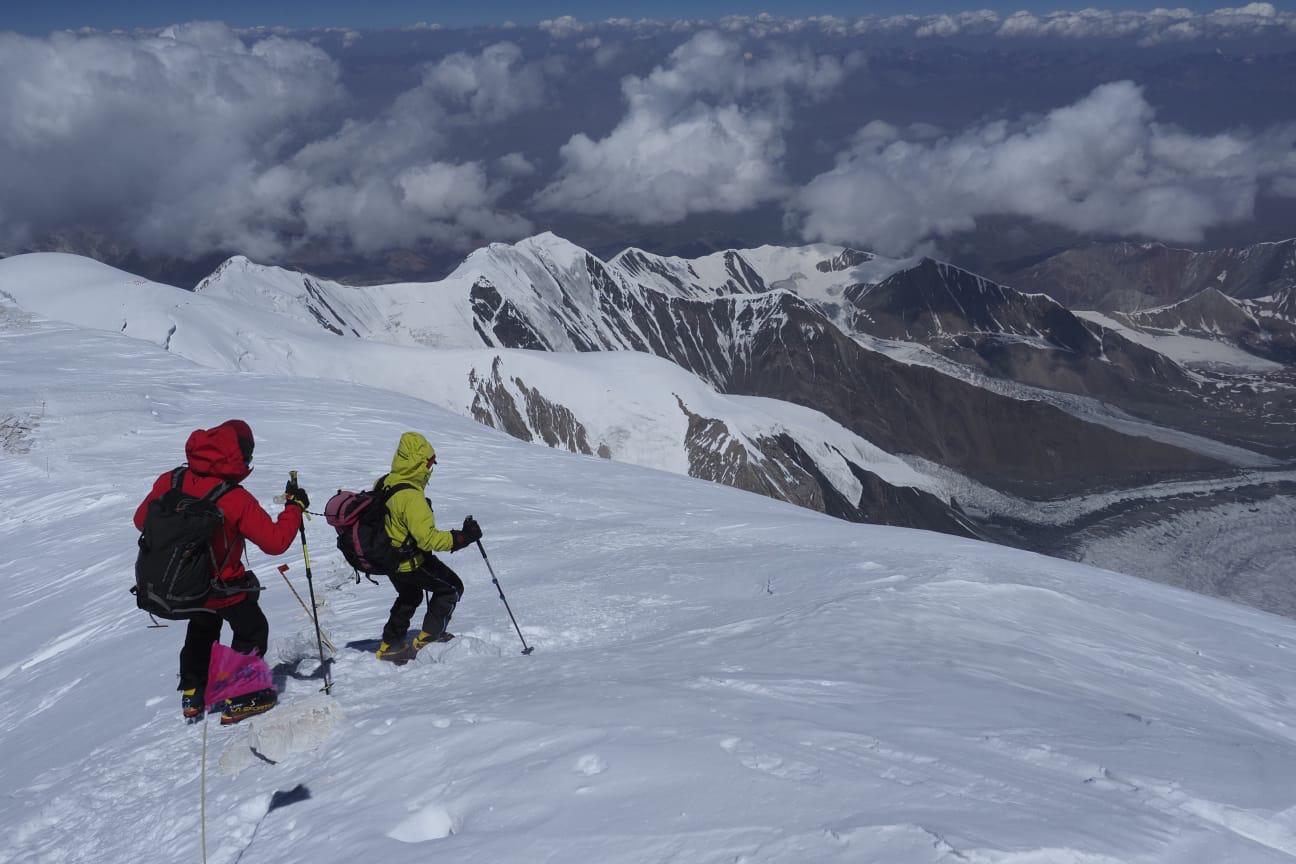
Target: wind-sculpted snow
column 718, row 677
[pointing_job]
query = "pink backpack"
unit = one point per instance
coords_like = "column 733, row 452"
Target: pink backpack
column 359, row 520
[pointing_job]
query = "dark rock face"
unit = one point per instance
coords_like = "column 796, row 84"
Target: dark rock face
column 1027, row 338
column 934, row 301
column 493, row 405
column 555, row 423
column 716, row 454
column 784, row 470
column 500, row 317
column 1024, row 447
column 846, row 260
column 1124, row 277
column 1261, row 327
column 1284, row 304
column 1207, row 312
column 880, row 503
column 777, row 345
column 637, row 263
column 317, row 297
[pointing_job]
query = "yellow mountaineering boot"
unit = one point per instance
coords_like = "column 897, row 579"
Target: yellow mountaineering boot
column 398, row 653
column 424, row 638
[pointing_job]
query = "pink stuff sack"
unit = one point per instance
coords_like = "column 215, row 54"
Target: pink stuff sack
column 232, row 674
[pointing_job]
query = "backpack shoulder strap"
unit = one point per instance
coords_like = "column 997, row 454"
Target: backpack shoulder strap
column 392, row 490
column 219, row 489
column 177, row 480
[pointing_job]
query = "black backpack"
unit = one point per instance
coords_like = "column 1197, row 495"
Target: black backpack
column 362, row 537
column 176, row 567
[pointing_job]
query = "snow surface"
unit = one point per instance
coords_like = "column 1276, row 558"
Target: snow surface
column 718, row 677
column 1191, row 351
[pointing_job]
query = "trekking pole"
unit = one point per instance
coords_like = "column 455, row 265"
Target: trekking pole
column 283, row 571
column 526, row 649
column 310, row 585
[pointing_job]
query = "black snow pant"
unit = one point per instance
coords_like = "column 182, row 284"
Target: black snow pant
column 251, row 633
column 446, row 589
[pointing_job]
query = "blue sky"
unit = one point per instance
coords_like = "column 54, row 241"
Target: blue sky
column 57, row 14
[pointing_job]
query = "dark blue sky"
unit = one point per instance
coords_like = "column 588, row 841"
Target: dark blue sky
column 28, row 17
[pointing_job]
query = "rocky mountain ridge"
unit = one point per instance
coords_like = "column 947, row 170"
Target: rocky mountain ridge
column 765, row 322
column 1127, row 277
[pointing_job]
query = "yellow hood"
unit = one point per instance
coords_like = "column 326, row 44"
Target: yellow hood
column 410, row 464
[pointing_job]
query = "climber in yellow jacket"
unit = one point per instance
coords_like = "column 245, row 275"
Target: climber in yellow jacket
column 411, row 525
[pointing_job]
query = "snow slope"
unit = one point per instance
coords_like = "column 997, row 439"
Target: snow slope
column 246, row 323
column 718, row 677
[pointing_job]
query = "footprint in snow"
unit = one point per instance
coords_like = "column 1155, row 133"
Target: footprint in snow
column 767, row 763
column 457, row 648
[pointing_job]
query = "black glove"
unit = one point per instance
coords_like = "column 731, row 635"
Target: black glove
column 296, row 496
column 468, row 535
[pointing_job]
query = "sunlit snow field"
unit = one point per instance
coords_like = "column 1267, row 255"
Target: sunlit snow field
column 718, row 677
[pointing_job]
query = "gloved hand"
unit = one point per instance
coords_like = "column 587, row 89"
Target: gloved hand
column 296, row 496
column 466, row 536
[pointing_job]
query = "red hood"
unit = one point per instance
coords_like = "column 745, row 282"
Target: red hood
column 216, row 451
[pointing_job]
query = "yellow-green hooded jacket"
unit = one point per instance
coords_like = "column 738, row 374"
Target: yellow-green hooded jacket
column 408, row 513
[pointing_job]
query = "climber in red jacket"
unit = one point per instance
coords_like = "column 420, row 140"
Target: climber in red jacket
column 219, row 455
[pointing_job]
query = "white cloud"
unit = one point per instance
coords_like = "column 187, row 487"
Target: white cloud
column 564, row 26
column 108, row 126
column 703, row 159
column 1100, row 165
column 703, row 132
column 492, row 85
column 193, row 139
column 516, row 165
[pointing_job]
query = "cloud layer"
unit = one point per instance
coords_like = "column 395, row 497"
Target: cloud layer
column 1102, row 165
column 198, row 138
column 192, row 140
column 1147, row 27
column 703, row 133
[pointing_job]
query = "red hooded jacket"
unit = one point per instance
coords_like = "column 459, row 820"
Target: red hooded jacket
column 214, row 455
